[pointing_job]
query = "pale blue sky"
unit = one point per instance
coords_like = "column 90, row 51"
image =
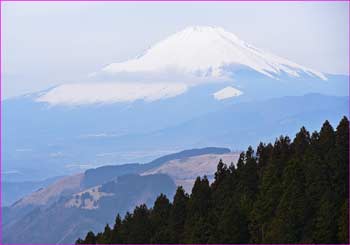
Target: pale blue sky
column 54, row 42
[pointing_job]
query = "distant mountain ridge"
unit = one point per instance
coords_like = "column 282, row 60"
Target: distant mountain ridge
column 82, row 202
column 99, row 175
column 115, row 133
column 239, row 125
column 185, row 170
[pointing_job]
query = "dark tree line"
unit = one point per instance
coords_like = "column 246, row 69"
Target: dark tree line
column 286, row 192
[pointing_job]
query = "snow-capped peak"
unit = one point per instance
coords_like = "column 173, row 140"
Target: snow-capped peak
column 206, row 51
column 226, row 93
column 190, row 57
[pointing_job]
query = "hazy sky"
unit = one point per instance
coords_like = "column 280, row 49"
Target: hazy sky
column 48, row 43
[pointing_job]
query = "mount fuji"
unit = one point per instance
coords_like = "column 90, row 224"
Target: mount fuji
column 134, row 110
column 195, row 56
column 206, row 51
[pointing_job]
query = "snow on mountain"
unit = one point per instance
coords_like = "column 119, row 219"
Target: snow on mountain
column 90, row 93
column 197, row 55
column 206, row 51
column 227, row 92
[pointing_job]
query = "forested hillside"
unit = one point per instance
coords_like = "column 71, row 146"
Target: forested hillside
column 291, row 191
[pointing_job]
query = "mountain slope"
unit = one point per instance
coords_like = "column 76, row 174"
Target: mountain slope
column 71, row 220
column 12, row 191
column 185, row 171
column 50, row 194
column 242, row 124
column 206, row 51
column 68, row 185
column 82, row 206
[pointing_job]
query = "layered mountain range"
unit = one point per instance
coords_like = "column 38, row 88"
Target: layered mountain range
column 85, row 201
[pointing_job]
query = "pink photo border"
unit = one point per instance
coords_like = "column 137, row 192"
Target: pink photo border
column 1, row 1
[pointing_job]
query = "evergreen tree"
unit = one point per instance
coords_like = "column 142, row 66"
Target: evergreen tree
column 106, row 236
column 199, row 202
column 249, row 176
column 241, row 161
column 325, row 229
column 116, row 237
column 160, row 219
column 79, row 241
column 247, row 182
column 327, row 138
column 197, row 211
column 232, row 226
column 343, row 224
column 140, row 228
column 178, row 216
column 100, row 238
column 301, row 142
column 341, row 168
column 287, row 225
column 263, row 154
column 90, row 238
column 220, row 174
column 221, row 189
